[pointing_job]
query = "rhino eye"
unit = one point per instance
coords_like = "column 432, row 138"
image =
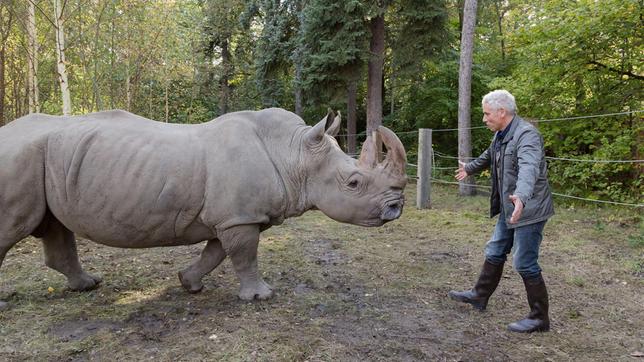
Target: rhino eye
column 353, row 184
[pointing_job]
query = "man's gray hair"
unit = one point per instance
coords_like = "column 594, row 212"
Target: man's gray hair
column 500, row 98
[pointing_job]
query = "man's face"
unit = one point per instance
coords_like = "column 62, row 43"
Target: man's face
column 495, row 120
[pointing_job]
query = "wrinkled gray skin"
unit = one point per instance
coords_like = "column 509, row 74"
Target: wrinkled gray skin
column 125, row 181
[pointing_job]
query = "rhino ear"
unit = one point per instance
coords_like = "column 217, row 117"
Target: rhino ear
column 316, row 134
column 332, row 130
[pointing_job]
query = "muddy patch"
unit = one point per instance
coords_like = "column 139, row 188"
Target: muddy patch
column 326, row 252
column 76, row 330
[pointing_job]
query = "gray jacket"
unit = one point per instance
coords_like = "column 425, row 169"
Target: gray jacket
column 522, row 171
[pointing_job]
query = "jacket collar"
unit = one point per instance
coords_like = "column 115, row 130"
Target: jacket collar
column 513, row 126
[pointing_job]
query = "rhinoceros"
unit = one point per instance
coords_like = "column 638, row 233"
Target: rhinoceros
column 122, row 180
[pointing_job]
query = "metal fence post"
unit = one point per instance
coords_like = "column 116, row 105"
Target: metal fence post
column 424, row 183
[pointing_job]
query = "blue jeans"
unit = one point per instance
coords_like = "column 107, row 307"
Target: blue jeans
column 525, row 240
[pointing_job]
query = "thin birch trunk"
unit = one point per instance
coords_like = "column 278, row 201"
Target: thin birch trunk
column 167, row 103
column 32, row 60
column 2, row 86
column 465, row 94
column 60, row 55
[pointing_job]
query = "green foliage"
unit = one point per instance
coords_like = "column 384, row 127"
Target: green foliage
column 433, row 103
column 418, row 31
column 272, row 51
column 581, row 58
column 332, row 44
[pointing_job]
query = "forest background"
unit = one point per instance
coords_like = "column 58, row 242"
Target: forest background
column 189, row 61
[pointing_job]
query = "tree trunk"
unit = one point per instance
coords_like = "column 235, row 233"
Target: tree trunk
column 32, row 60
column 465, row 94
column 391, row 90
column 128, row 62
column 98, row 104
column 128, row 91
column 351, row 116
column 5, row 27
column 112, row 52
column 81, row 43
column 16, row 76
column 223, row 82
column 167, row 103
column 500, row 13
column 374, row 81
column 60, row 55
column 2, row 86
column 299, row 107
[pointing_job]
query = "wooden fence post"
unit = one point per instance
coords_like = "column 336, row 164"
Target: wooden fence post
column 424, row 169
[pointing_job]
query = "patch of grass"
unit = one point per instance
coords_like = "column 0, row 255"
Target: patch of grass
column 573, row 314
column 577, row 281
column 636, row 240
column 600, row 226
column 636, row 267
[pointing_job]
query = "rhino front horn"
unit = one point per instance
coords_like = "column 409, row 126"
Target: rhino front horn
column 396, row 159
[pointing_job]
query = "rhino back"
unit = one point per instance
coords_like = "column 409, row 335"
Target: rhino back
column 123, row 180
column 131, row 182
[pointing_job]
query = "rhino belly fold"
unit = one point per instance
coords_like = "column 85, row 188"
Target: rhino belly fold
column 116, row 233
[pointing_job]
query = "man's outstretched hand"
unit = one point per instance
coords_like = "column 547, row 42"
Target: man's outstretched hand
column 460, row 173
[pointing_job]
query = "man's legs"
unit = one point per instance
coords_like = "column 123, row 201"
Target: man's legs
column 496, row 251
column 526, row 254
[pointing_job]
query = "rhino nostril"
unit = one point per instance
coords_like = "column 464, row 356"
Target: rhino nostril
column 392, row 211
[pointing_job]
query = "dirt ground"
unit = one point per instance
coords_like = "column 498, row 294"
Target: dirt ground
column 343, row 293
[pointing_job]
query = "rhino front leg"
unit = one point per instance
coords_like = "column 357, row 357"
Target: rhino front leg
column 211, row 256
column 61, row 255
column 240, row 243
column 4, row 248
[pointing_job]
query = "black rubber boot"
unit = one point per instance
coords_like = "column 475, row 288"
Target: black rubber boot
column 537, row 320
column 485, row 286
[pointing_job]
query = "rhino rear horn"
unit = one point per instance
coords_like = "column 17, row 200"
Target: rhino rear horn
column 396, row 159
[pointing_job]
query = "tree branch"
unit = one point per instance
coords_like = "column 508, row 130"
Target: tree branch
column 615, row 70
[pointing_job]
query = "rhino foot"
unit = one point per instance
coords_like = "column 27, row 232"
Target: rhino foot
column 191, row 285
column 84, row 282
column 260, row 291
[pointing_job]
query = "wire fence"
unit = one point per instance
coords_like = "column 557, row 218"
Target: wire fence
column 574, row 118
column 442, row 181
column 438, row 154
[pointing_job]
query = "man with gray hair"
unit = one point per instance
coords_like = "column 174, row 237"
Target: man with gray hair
column 521, row 197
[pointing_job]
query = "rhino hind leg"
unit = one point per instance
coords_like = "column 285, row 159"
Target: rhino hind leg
column 211, row 256
column 240, row 244
column 62, row 256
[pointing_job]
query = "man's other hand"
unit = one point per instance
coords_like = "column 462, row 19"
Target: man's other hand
column 518, row 209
